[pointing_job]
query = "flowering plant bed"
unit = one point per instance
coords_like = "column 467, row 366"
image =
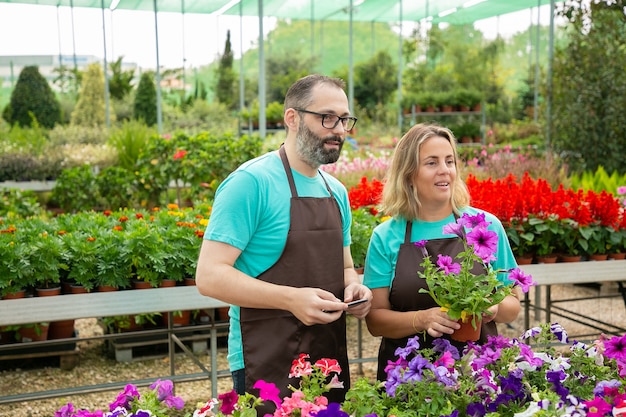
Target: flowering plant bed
column 540, row 373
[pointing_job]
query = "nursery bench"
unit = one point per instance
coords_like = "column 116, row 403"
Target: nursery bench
column 570, row 273
column 106, row 304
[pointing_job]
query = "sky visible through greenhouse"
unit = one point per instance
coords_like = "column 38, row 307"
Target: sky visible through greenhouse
column 191, row 39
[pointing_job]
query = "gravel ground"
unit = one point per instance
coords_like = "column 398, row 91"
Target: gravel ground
column 97, row 366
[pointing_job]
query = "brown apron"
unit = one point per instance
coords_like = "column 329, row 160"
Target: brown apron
column 405, row 296
column 313, row 257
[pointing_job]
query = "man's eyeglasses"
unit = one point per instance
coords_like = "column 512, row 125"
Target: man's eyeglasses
column 330, row 121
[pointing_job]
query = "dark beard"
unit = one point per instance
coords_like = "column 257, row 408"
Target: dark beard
column 310, row 147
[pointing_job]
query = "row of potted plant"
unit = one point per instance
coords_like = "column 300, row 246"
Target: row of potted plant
column 94, row 249
column 539, row 221
column 446, row 101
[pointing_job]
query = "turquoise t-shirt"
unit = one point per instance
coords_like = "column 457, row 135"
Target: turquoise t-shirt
column 382, row 253
column 251, row 213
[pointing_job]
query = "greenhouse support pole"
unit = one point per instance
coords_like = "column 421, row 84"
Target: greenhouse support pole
column 106, row 69
column 158, row 70
column 350, row 64
column 262, row 118
column 400, row 69
column 549, row 95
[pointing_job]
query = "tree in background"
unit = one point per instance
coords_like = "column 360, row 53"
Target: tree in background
column 589, row 87
column 90, row 109
column 376, row 80
column 145, row 99
column 32, row 101
column 120, row 82
column 225, row 91
column 282, row 71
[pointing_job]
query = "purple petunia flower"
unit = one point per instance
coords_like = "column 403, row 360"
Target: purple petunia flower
column 453, row 229
column 525, row 281
column 560, row 333
column 416, row 367
column 445, row 263
column 164, row 394
column 333, row 410
column 125, row 397
column 484, row 242
column 412, row 345
column 65, row 411
column 477, row 220
column 441, row 345
column 601, row 386
column 615, row 348
column 422, row 245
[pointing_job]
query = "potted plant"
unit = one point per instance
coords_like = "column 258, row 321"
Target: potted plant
column 146, row 251
column 546, row 233
column 521, row 240
column 464, row 295
column 573, row 239
column 274, row 115
column 44, row 256
column 80, row 255
column 466, row 98
column 16, row 273
column 601, row 239
column 113, row 269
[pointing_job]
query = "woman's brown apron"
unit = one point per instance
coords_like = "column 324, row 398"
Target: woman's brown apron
column 313, row 257
column 405, row 296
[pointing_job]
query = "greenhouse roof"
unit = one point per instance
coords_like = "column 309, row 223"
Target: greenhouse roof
column 451, row 11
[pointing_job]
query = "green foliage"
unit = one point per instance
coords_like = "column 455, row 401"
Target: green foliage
column 76, row 134
column 284, row 70
column 589, row 87
column 363, row 224
column 598, row 180
column 67, row 79
column 129, row 140
column 145, row 100
column 90, row 109
column 200, row 162
column 75, row 189
column 225, row 91
column 33, row 100
column 201, row 116
column 19, row 203
column 120, row 81
column 116, row 188
column 376, row 80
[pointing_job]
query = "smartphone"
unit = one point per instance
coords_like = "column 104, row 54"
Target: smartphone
column 356, row 302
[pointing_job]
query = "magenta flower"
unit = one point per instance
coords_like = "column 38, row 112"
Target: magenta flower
column 125, row 397
column 229, row 400
column 597, row 407
column 422, row 245
column 615, row 348
column 65, row 411
column 445, row 264
column 525, row 281
column 268, row 392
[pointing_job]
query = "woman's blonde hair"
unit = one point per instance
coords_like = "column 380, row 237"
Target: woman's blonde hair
column 399, row 196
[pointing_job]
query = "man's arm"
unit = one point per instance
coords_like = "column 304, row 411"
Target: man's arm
column 217, row 277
